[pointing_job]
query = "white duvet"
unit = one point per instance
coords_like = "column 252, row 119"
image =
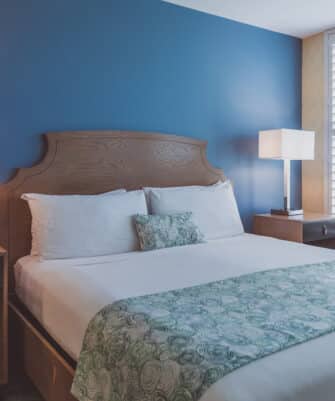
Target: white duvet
column 65, row 294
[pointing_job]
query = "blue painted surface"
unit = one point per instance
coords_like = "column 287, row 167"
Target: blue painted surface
column 148, row 65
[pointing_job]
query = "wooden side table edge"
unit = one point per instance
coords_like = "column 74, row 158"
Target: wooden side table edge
column 277, row 226
column 4, row 325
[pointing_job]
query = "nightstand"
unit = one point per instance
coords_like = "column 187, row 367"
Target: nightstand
column 3, row 316
column 312, row 228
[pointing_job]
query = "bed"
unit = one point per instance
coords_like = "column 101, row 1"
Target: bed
column 56, row 299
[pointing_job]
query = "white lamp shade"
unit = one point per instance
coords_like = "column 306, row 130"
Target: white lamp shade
column 287, row 144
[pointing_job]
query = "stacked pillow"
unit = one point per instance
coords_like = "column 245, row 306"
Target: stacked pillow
column 214, row 207
column 167, row 230
column 74, row 226
column 70, row 226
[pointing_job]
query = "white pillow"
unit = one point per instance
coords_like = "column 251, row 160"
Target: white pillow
column 34, row 196
column 73, row 226
column 147, row 190
column 214, row 207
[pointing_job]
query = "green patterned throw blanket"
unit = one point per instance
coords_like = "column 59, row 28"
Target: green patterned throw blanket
column 173, row 346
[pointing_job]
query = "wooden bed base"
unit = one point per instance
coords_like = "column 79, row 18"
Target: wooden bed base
column 85, row 162
column 44, row 362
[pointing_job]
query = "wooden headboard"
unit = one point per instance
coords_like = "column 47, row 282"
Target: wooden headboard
column 90, row 162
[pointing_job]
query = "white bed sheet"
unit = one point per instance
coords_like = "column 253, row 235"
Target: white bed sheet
column 65, row 294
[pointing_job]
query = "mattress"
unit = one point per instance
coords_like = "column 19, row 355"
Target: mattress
column 65, row 294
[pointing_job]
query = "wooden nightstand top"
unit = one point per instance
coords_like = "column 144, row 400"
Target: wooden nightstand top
column 303, row 218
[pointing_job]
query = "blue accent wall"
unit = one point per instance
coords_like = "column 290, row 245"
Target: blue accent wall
column 149, row 65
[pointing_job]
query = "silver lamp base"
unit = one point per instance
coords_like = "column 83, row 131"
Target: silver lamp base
column 287, row 212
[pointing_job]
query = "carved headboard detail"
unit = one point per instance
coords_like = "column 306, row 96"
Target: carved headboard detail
column 89, row 162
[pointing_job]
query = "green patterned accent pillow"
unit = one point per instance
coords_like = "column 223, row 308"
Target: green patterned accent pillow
column 166, row 231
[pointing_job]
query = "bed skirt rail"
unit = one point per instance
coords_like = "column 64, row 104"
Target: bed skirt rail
column 49, row 368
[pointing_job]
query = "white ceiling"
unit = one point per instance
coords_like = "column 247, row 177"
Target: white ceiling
column 300, row 18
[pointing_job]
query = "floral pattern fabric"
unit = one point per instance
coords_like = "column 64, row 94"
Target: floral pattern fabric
column 173, row 346
column 165, row 231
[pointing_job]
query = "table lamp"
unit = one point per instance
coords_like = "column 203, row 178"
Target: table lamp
column 287, row 145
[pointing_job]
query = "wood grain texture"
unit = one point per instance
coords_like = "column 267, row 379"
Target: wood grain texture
column 307, row 228
column 290, row 230
column 50, row 372
column 91, row 162
column 3, row 317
